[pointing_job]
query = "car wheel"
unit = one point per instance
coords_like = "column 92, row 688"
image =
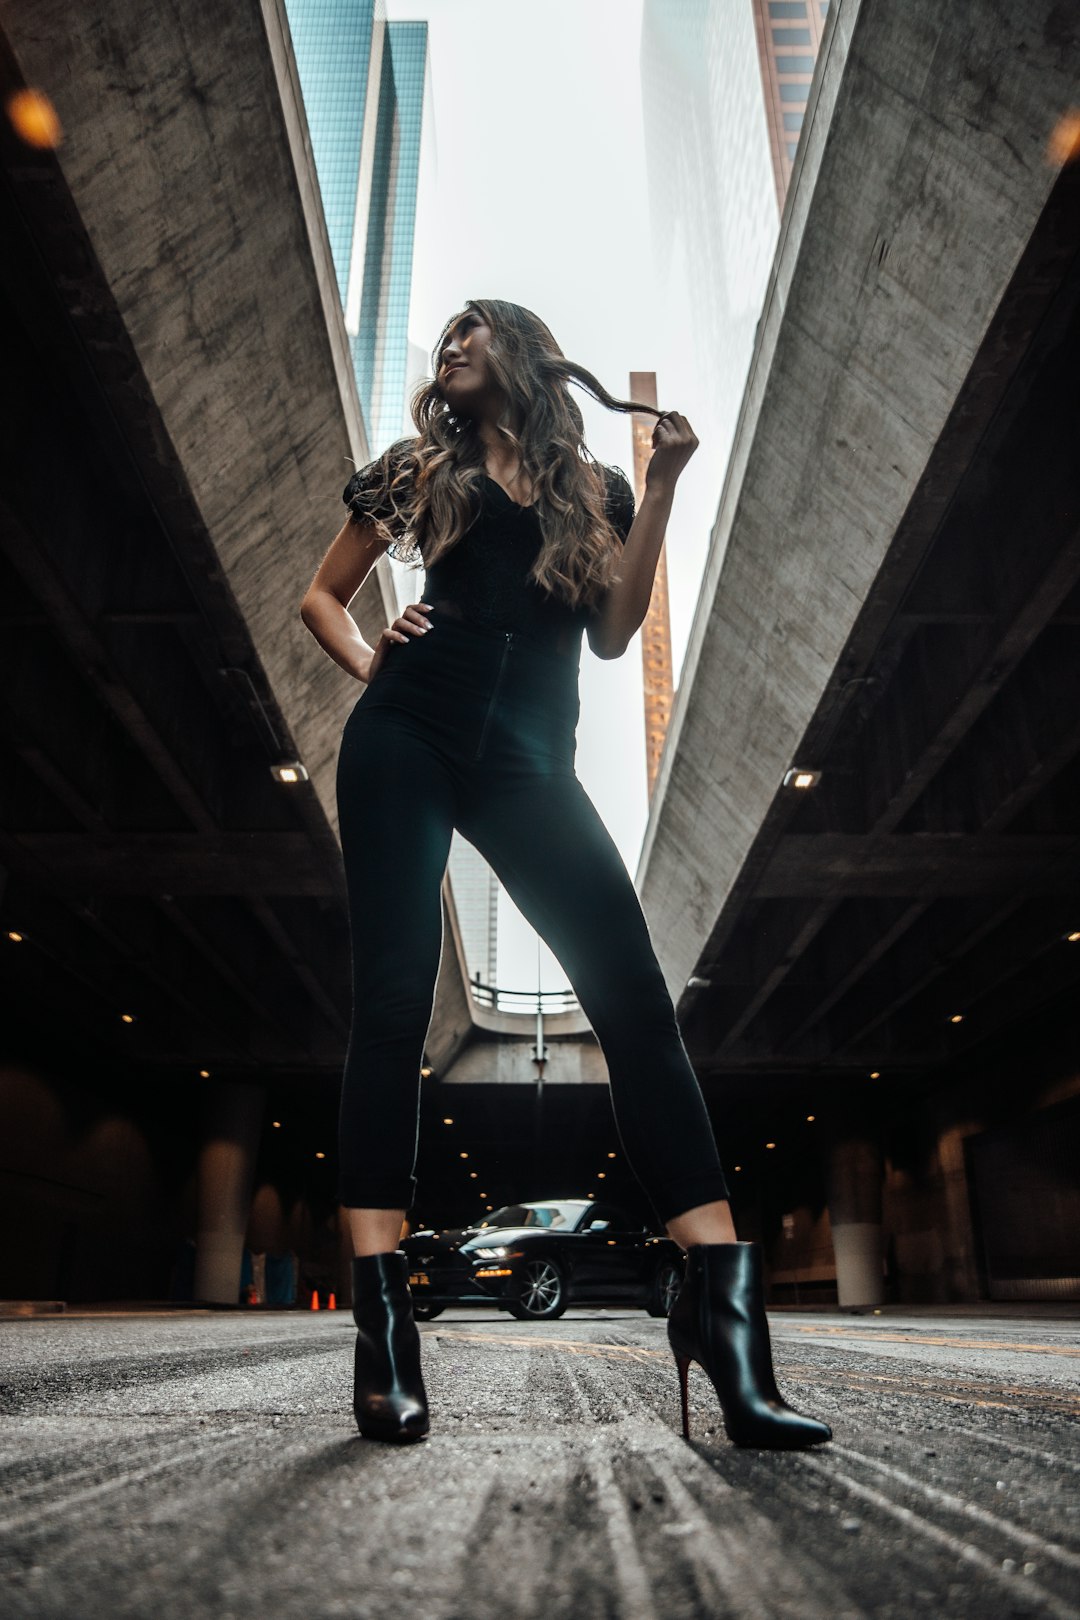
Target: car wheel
column 541, row 1292
column 664, row 1289
column 423, row 1312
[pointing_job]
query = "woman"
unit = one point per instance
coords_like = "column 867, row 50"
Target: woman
column 468, row 721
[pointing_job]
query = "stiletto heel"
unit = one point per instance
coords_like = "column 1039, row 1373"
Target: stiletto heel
column 683, row 1365
column 718, row 1320
column 389, row 1399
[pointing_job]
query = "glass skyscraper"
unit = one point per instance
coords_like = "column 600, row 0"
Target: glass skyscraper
column 724, row 91
column 363, row 81
column 712, row 195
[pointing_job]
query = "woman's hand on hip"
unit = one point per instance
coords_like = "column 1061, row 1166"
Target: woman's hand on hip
column 674, row 442
column 412, row 622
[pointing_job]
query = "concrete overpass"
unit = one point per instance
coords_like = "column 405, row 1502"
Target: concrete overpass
column 892, row 598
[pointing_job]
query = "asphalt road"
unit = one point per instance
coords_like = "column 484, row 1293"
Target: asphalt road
column 207, row 1464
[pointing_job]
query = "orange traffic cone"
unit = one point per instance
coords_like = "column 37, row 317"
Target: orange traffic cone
column 331, row 1303
column 314, row 1299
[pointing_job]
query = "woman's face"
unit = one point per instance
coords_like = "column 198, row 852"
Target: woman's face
column 463, row 374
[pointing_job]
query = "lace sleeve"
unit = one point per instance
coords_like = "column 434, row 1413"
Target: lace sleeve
column 620, row 505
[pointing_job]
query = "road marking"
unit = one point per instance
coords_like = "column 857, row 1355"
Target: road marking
column 911, row 1386
column 882, row 1336
column 636, row 1352
column 797, row 1372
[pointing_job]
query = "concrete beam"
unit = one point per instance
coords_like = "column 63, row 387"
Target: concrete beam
column 187, row 155
column 921, row 176
column 847, row 865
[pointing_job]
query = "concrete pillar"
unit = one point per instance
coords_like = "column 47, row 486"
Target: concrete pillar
column 855, row 1217
column 232, row 1120
column 962, row 1280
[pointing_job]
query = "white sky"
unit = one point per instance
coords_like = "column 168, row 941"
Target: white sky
column 538, row 194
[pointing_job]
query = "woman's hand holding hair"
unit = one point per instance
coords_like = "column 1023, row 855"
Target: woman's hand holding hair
column 410, row 623
column 674, row 442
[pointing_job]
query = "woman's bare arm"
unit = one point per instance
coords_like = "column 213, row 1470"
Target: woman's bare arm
column 325, row 608
column 623, row 609
column 626, row 603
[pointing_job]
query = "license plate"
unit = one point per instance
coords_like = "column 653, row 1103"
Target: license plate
column 419, row 1279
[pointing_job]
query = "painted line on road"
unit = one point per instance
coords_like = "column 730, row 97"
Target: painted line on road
column 916, row 1388
column 980, row 1395
column 636, row 1352
column 884, row 1337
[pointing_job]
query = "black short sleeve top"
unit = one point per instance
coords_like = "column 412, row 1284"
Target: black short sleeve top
column 484, row 579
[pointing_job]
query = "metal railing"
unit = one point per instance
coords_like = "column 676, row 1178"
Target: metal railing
column 528, row 1002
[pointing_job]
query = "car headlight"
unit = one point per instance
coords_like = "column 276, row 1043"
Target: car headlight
column 501, row 1253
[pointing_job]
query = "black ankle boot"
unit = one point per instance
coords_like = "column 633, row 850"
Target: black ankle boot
column 389, row 1398
column 718, row 1320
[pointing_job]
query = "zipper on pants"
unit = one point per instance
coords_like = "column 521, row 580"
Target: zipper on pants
column 508, row 642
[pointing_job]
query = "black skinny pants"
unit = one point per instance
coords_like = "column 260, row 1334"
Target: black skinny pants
column 469, row 728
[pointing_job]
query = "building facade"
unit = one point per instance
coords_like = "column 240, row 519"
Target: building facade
column 657, row 677
column 363, row 81
column 788, row 37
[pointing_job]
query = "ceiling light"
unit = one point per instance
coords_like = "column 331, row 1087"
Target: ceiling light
column 204, row 1074
column 875, row 1074
column 600, row 1174
column 738, row 1167
column 127, row 1018
column 448, row 1122
column 16, row 938
column 810, row 1119
column 426, row 1073
column 474, row 1175
column 798, row 777
column 592, row 1195
column 277, row 1124
column 289, row 771
column 611, row 1155
column 463, row 1155
column 1072, row 938
column 320, row 1155
column 957, row 1018
column 770, row 1144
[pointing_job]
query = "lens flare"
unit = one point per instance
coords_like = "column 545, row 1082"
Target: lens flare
column 34, row 119
column 1064, row 143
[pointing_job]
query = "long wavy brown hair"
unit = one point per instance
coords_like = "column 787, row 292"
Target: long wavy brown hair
column 431, row 484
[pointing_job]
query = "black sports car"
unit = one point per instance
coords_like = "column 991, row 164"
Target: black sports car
column 535, row 1259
